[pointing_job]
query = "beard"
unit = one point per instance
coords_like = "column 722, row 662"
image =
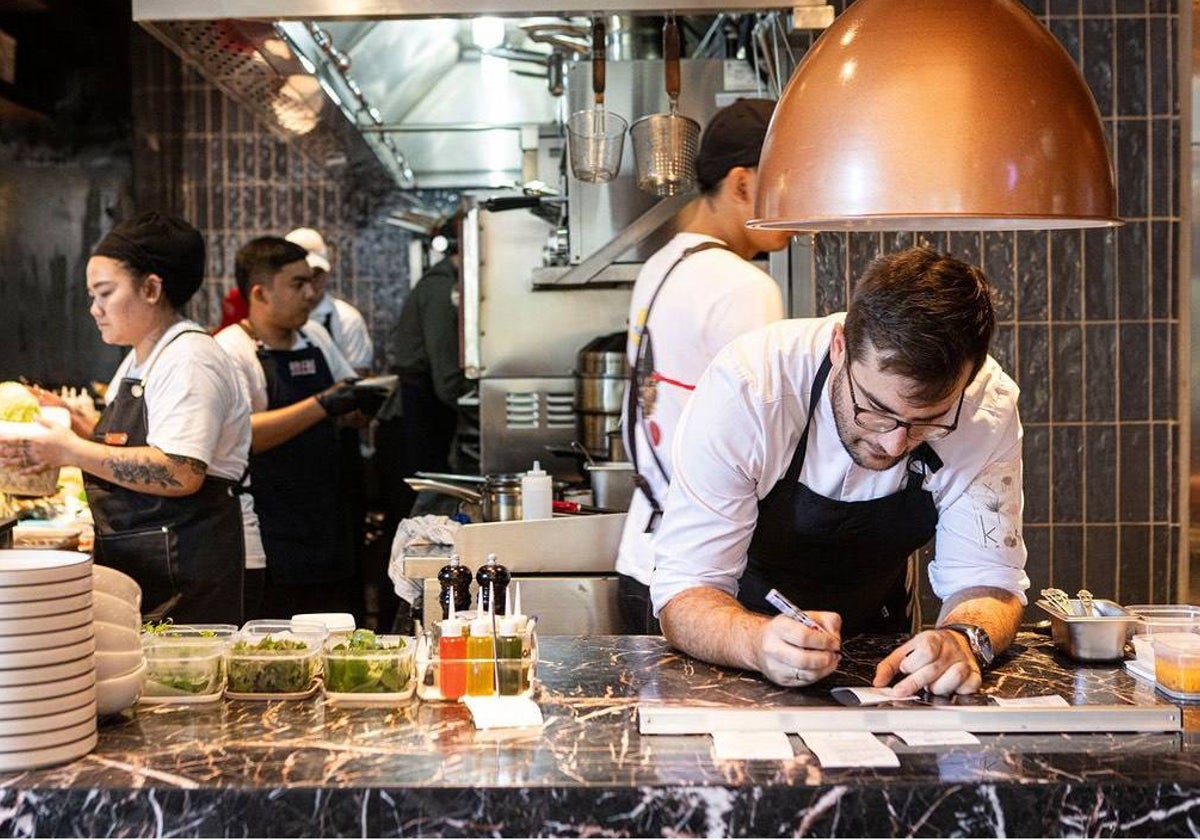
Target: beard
column 862, row 451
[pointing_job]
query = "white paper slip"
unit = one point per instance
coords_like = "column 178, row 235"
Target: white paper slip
column 849, row 749
column 943, row 738
column 867, row 696
column 503, row 712
column 739, row 746
column 1042, row 701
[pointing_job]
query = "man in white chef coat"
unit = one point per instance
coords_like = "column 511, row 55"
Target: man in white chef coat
column 817, row 454
column 693, row 296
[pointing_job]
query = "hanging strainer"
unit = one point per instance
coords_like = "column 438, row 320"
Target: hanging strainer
column 665, row 145
column 595, row 137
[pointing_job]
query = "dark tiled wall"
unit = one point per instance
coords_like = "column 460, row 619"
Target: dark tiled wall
column 1089, row 324
column 199, row 153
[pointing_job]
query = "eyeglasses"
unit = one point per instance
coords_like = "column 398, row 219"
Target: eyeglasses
column 874, row 421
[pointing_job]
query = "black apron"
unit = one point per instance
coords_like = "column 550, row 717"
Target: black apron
column 845, row 557
column 298, row 485
column 187, row 553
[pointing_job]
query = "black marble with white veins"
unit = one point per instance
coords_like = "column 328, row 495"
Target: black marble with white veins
column 308, row 768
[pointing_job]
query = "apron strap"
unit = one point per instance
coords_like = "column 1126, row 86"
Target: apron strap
column 797, row 462
column 633, row 388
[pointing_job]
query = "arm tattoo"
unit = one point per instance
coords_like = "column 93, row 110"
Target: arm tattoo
column 135, row 470
column 194, row 465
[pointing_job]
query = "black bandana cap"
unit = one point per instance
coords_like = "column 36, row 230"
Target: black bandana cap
column 154, row 243
column 733, row 137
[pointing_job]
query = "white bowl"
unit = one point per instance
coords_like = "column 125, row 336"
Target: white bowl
column 51, row 656
column 48, row 705
column 45, row 641
column 110, row 609
column 51, row 606
column 113, row 637
column 112, row 664
column 38, row 692
column 50, row 721
column 42, row 591
column 116, row 583
column 23, row 566
column 120, row 692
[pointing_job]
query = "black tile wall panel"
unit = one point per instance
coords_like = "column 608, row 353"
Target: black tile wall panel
column 1066, row 488
column 1033, row 289
column 998, row 265
column 1100, row 276
column 1066, row 275
column 1066, row 568
column 1037, row 474
column 1067, row 395
column 1100, row 558
column 1134, row 366
column 1133, row 267
column 1033, row 372
column 1136, row 473
column 1100, row 473
column 1135, row 565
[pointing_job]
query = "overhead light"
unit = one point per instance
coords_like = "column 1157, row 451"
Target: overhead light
column 487, row 32
column 936, row 115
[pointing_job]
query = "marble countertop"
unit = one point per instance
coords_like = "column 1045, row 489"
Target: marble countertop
column 315, row 768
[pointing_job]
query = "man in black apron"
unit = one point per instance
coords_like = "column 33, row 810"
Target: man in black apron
column 886, row 391
column 295, row 469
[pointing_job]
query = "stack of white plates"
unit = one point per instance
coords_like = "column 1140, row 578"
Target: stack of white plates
column 120, row 663
column 47, row 663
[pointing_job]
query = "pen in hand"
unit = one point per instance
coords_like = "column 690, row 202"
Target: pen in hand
column 780, row 601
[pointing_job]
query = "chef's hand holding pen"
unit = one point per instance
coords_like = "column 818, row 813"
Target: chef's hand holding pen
column 936, row 660
column 791, row 653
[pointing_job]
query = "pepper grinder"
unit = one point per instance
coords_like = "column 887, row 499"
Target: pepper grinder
column 493, row 577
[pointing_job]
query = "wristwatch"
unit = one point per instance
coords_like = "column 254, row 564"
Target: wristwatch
column 978, row 640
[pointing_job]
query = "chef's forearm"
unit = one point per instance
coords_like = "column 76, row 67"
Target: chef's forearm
column 144, row 469
column 270, row 428
column 997, row 611
column 711, row 625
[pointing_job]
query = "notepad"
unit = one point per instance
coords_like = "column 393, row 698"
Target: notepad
column 1040, row 701
column 936, row 738
column 867, row 696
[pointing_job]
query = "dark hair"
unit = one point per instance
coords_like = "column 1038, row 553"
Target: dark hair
column 926, row 315
column 260, row 259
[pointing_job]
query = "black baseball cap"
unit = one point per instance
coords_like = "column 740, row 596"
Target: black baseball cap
column 733, row 137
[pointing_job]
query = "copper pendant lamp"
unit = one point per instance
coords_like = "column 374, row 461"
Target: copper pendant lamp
column 936, row 115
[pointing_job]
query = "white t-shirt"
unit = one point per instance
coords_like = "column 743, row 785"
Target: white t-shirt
column 348, row 328
column 737, row 437
column 243, row 351
column 711, row 298
column 196, row 408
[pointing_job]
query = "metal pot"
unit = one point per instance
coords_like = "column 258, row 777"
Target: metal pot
column 612, row 484
column 594, row 429
column 498, row 496
column 605, row 394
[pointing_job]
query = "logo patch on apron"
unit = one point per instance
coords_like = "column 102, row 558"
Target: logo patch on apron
column 116, row 438
column 302, row 367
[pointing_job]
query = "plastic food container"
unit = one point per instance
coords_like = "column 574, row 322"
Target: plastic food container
column 1166, row 618
column 1177, row 666
column 513, row 676
column 1143, row 644
column 185, row 663
column 367, row 668
column 1099, row 637
column 274, row 660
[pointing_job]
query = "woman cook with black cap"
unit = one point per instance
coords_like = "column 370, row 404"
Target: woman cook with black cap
column 163, row 464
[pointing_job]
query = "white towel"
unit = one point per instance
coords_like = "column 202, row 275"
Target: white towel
column 420, row 530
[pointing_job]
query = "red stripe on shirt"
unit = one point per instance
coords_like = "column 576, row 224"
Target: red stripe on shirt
column 658, row 377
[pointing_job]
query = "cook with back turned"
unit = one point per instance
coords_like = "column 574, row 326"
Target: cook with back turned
column 816, row 455
column 162, row 465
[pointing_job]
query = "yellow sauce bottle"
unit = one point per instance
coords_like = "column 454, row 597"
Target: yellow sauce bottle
column 481, row 653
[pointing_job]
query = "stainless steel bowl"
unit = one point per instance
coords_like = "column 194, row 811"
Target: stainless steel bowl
column 1099, row 637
